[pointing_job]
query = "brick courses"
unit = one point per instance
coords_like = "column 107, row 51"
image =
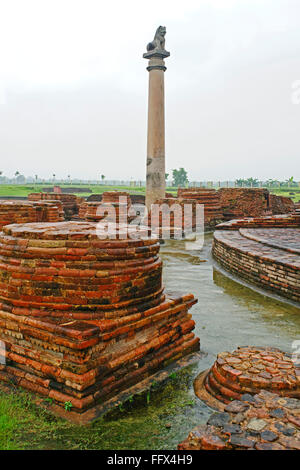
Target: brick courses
column 24, row 211
column 84, row 318
column 266, row 257
column 70, row 202
column 248, row 370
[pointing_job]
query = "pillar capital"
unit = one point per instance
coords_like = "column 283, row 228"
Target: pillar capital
column 156, row 61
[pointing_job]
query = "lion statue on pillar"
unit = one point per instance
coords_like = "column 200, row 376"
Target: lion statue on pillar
column 159, row 39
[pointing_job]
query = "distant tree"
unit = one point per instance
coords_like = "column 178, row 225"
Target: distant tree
column 249, row 182
column 240, row 182
column 69, row 176
column 53, row 176
column 103, row 177
column 290, row 182
column 252, row 182
column 180, row 177
column 166, row 176
column 20, row 178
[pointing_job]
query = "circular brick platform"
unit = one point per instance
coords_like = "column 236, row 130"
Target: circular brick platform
column 248, row 370
column 29, row 211
column 267, row 257
column 83, row 317
column 66, row 269
column 261, row 422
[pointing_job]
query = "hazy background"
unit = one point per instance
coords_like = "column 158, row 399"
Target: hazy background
column 73, row 87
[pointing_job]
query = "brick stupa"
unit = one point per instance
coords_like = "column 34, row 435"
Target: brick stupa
column 84, row 318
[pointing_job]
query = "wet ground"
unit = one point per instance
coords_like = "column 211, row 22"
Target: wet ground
column 227, row 315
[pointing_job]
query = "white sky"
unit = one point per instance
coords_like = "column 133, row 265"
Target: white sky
column 73, row 87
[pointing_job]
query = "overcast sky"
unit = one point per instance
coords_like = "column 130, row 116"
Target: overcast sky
column 73, row 87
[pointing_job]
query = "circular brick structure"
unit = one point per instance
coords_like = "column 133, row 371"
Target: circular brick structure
column 28, row 211
column 263, row 251
column 67, row 270
column 85, row 318
column 248, row 370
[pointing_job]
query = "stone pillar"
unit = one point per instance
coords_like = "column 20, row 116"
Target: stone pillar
column 155, row 177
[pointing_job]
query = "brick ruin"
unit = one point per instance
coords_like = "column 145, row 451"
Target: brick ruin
column 263, row 251
column 211, row 200
column 18, row 212
column 248, row 370
column 281, row 204
column 69, row 202
column 84, row 318
column 256, row 391
column 252, row 202
column 244, row 202
column 264, row 421
column 110, row 207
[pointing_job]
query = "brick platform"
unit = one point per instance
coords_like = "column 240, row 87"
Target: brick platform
column 169, row 220
column 264, row 421
column 281, row 204
column 25, row 211
column 274, row 221
column 266, row 257
column 70, row 202
column 84, row 318
column 95, row 211
column 210, row 198
column 244, row 202
column 248, row 370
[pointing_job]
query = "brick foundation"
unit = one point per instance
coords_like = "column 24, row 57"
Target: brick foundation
column 267, row 257
column 249, row 370
column 24, row 211
column 82, row 318
column 70, row 202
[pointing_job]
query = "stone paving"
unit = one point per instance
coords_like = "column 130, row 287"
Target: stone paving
column 264, row 421
column 84, row 318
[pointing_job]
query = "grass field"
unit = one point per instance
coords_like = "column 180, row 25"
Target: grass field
column 24, row 190
column 294, row 194
column 141, row 423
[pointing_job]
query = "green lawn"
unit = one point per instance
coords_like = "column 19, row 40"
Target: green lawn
column 23, row 190
column 141, row 423
column 293, row 193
